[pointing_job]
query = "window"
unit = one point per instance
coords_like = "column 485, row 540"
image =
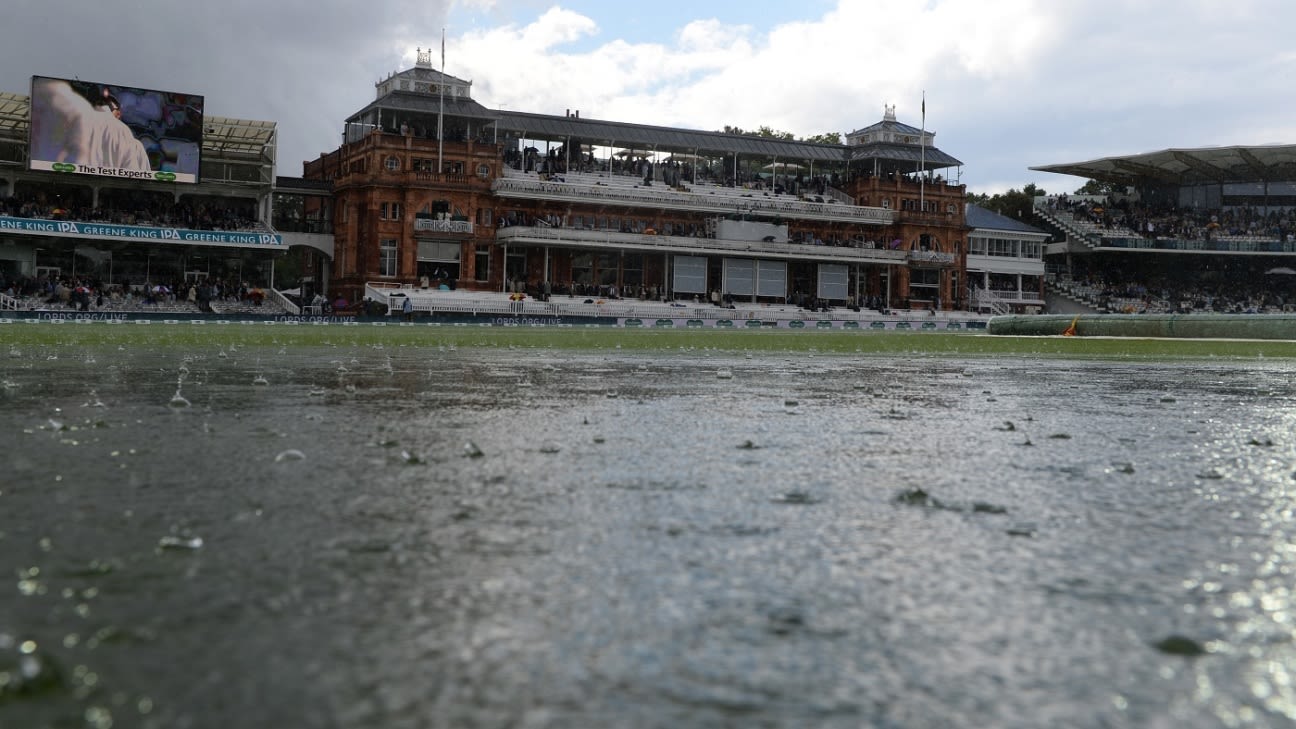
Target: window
column 390, row 211
column 482, row 268
column 483, row 170
column 582, row 268
column 392, row 164
column 387, row 257
column 886, row 203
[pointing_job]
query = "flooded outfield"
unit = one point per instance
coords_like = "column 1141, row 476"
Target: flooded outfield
column 358, row 535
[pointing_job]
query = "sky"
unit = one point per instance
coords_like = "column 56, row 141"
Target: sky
column 1009, row 84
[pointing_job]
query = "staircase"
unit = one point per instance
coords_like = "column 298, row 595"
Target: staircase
column 1065, row 228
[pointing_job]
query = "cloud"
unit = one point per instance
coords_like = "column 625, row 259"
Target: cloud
column 1009, row 83
column 296, row 62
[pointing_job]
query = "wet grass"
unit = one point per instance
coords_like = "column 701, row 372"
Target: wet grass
column 917, row 343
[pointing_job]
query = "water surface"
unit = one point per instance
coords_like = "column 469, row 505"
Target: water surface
column 355, row 536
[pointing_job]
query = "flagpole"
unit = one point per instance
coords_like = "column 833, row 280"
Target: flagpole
column 922, row 165
column 441, row 110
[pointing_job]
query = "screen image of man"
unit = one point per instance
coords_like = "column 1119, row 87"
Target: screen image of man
column 68, row 128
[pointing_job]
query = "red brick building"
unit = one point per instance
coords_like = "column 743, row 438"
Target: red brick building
column 431, row 188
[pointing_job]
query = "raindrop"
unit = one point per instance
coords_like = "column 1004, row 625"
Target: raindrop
column 549, row 448
column 292, row 454
column 724, row 374
column 799, row 498
column 1178, row 645
column 173, row 542
column 260, row 380
column 612, row 394
column 178, row 401
column 472, row 451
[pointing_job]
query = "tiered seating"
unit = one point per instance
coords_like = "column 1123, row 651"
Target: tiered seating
column 499, row 303
column 626, row 187
column 1090, row 228
column 118, row 305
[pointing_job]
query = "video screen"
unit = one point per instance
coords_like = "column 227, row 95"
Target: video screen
column 88, row 128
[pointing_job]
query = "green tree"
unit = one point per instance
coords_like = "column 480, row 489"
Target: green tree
column 825, row 138
column 1097, row 187
column 771, row 133
column 1016, row 204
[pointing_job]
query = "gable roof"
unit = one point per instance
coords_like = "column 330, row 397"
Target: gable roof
column 979, row 217
column 887, row 125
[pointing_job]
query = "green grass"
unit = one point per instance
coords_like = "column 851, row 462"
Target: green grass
column 647, row 340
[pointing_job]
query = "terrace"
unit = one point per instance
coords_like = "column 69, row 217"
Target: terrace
column 631, row 191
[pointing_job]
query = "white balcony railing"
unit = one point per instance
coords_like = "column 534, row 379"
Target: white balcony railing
column 694, row 246
column 435, row 225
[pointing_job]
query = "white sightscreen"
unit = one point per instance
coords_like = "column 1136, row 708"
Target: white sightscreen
column 771, row 278
column 834, row 281
column 739, row 275
column 434, row 251
column 690, row 275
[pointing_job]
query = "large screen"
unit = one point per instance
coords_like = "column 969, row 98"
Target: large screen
column 88, row 128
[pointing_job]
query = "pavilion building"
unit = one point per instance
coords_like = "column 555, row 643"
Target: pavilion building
column 431, row 188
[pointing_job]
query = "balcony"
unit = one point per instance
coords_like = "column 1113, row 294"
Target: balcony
column 930, row 258
column 639, row 242
column 612, row 189
column 434, row 225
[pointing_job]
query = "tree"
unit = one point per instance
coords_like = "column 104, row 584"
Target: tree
column 1097, row 187
column 1016, row 204
column 825, row 138
column 771, row 133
